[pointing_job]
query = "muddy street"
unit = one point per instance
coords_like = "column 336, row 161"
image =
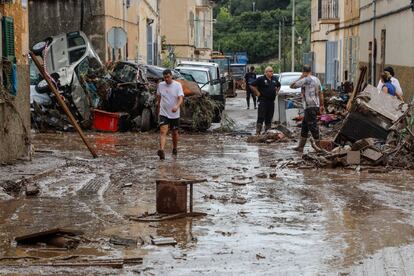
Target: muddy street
column 262, row 218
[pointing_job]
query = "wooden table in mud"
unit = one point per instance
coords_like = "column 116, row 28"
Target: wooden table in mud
column 171, row 201
column 171, row 195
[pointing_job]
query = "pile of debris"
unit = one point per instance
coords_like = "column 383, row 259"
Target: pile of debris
column 278, row 133
column 378, row 131
column 120, row 96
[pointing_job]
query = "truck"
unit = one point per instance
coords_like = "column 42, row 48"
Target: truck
column 225, row 74
column 238, row 57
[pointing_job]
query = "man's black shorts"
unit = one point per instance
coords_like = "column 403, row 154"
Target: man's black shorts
column 172, row 123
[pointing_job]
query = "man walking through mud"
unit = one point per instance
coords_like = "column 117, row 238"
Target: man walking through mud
column 265, row 88
column 312, row 99
column 170, row 96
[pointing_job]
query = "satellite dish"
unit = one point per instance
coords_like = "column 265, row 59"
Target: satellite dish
column 117, row 37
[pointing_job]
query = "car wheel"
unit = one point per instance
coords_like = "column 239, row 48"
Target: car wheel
column 42, row 87
column 38, row 48
column 146, row 120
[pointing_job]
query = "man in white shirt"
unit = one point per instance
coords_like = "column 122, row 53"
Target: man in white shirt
column 170, row 96
column 394, row 81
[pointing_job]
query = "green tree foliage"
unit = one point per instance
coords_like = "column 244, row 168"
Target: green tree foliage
column 237, row 7
column 257, row 32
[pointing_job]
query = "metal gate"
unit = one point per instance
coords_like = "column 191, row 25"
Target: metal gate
column 150, row 49
column 308, row 58
column 331, row 64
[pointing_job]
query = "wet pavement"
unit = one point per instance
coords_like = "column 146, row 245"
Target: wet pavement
column 294, row 222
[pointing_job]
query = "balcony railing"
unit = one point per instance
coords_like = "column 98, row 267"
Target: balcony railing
column 328, row 9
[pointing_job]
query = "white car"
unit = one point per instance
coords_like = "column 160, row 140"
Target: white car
column 286, row 93
column 203, row 78
column 286, row 79
column 214, row 68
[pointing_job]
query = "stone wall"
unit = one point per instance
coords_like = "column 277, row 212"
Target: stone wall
column 52, row 17
column 15, row 110
column 15, row 122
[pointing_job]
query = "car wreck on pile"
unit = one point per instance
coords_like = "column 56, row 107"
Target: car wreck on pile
column 68, row 58
column 119, row 99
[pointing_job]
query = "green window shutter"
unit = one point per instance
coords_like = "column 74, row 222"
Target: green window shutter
column 8, row 37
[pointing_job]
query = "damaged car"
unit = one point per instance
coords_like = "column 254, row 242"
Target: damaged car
column 68, row 58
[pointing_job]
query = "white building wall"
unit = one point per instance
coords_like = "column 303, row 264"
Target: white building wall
column 399, row 32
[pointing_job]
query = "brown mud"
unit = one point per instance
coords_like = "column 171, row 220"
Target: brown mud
column 262, row 219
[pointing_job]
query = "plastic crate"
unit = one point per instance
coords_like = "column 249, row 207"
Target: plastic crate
column 109, row 122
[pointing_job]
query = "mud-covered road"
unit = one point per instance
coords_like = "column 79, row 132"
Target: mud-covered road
column 262, row 219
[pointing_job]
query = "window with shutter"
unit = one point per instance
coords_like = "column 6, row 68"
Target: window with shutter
column 8, row 37
column 9, row 68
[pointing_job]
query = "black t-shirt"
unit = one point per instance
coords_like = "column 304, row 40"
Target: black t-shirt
column 250, row 77
column 266, row 87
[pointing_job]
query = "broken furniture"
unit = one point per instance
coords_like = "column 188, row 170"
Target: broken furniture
column 172, row 201
column 61, row 238
column 115, row 263
column 163, row 241
column 371, row 116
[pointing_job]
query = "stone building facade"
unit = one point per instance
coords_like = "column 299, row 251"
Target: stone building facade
column 14, row 94
column 138, row 18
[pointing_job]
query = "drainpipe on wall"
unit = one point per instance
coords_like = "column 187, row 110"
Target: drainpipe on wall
column 82, row 11
column 374, row 65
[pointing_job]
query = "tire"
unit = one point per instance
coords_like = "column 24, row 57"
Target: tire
column 42, row 87
column 38, row 48
column 203, row 126
column 146, row 120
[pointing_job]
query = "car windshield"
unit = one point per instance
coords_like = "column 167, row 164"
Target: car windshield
column 212, row 69
column 125, row 73
column 223, row 64
column 200, row 77
column 187, row 76
column 237, row 70
column 288, row 79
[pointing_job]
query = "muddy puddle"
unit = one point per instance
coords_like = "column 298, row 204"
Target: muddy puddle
column 261, row 219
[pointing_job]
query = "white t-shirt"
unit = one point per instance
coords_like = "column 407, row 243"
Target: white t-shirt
column 170, row 94
column 394, row 82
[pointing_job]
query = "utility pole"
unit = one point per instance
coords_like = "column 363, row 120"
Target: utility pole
column 373, row 63
column 280, row 46
column 293, row 36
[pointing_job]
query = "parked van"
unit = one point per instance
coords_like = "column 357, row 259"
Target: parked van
column 219, row 82
column 202, row 76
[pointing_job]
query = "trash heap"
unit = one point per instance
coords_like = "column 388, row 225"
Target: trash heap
column 377, row 131
column 278, row 133
column 118, row 97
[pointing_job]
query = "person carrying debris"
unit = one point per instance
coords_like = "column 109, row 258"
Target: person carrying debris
column 265, row 88
column 388, row 87
column 170, row 96
column 249, row 78
column 394, row 82
column 312, row 98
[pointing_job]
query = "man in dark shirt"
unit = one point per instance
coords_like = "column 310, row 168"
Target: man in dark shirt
column 249, row 78
column 266, row 88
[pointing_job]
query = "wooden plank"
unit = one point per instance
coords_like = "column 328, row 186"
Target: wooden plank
column 46, row 234
column 358, row 87
column 62, row 104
